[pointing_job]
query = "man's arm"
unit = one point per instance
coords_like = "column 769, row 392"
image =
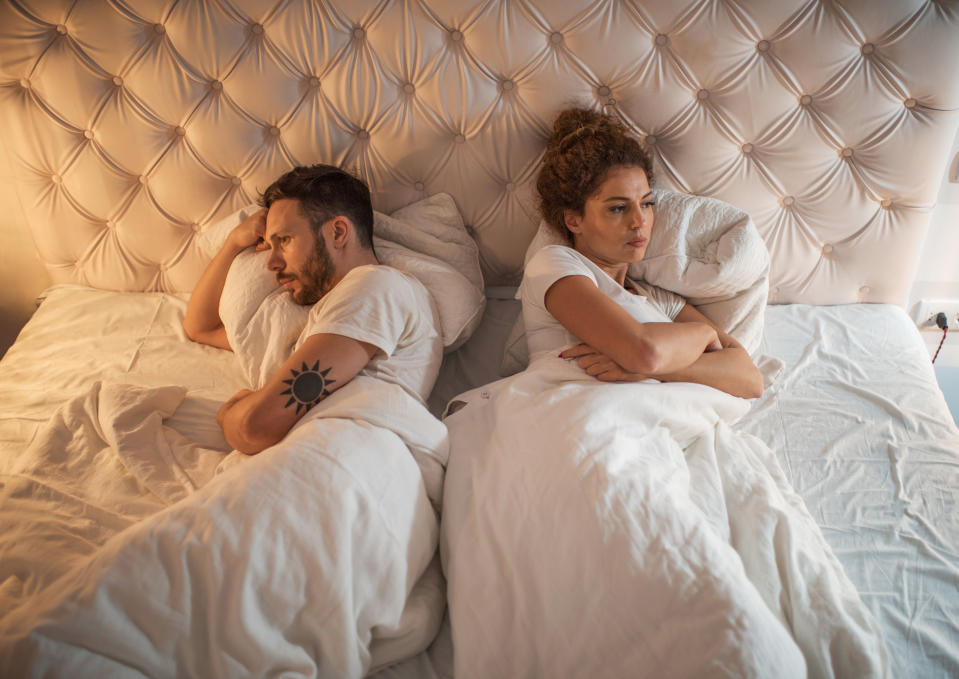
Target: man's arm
column 202, row 322
column 255, row 420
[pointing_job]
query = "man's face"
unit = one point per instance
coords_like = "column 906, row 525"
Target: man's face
column 301, row 267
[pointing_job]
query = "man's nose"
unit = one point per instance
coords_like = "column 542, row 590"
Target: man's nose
column 274, row 262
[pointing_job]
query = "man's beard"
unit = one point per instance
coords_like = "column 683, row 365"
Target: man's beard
column 316, row 278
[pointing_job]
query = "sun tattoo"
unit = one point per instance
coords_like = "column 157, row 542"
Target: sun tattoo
column 307, row 387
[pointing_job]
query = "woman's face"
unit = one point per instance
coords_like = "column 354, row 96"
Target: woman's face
column 617, row 219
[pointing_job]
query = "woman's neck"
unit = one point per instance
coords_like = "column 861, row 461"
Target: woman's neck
column 615, row 270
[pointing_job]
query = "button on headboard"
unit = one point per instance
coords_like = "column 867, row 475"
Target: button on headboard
column 136, row 124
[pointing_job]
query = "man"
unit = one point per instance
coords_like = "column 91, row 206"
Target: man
column 366, row 318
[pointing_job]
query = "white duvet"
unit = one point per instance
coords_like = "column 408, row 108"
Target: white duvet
column 121, row 557
column 610, row 530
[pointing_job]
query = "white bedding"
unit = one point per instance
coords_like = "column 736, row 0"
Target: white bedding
column 857, row 391
column 315, row 556
column 592, row 529
column 863, row 435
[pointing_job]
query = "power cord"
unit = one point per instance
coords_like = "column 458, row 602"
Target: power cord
column 943, row 323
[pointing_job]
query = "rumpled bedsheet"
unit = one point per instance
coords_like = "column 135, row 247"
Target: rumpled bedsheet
column 313, row 558
column 610, row 530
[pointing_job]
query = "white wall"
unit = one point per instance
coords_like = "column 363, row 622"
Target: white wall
column 22, row 276
column 938, row 273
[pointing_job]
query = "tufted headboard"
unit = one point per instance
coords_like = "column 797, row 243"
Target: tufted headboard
column 133, row 124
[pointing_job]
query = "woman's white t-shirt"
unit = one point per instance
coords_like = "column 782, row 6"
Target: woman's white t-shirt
column 391, row 310
column 547, row 336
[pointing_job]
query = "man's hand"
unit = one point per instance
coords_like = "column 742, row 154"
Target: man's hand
column 599, row 365
column 224, row 409
column 250, row 231
column 202, row 322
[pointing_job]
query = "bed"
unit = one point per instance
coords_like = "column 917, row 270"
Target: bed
column 138, row 130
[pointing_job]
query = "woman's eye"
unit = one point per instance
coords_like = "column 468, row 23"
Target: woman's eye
column 617, row 208
column 648, row 204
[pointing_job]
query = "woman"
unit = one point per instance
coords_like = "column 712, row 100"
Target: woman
column 594, row 191
column 619, row 528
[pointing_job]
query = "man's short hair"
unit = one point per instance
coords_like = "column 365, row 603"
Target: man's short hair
column 325, row 192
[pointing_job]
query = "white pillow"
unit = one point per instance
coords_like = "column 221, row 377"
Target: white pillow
column 426, row 239
column 429, row 241
column 701, row 248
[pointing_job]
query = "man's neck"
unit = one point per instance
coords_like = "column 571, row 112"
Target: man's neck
column 361, row 257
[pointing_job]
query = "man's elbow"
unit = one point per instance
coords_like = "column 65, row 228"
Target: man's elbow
column 190, row 330
column 214, row 338
column 195, row 332
column 254, row 433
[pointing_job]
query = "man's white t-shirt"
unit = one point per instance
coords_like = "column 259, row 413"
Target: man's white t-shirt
column 547, row 336
column 391, row 310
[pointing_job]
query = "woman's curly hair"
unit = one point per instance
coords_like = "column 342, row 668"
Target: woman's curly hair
column 582, row 149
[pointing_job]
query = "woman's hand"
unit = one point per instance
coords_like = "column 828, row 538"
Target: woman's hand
column 599, row 365
column 250, row 231
column 715, row 345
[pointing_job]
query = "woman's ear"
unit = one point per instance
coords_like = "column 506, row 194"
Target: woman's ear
column 573, row 221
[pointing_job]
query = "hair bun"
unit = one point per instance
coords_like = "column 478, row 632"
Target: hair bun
column 574, row 118
column 573, row 137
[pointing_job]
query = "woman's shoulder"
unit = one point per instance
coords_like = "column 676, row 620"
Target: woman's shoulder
column 547, row 266
column 553, row 256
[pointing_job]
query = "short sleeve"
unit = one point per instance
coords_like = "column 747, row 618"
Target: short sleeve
column 371, row 304
column 546, row 267
column 668, row 302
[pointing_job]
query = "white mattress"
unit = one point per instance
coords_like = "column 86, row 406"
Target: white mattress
column 80, row 335
column 855, row 417
column 867, row 440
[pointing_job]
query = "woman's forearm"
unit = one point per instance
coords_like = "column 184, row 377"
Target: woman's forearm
column 664, row 348
column 730, row 370
column 597, row 320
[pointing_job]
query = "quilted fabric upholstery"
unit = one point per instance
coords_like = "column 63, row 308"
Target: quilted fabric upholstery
column 135, row 123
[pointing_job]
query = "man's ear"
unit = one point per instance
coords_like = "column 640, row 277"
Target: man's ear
column 341, row 230
column 573, row 221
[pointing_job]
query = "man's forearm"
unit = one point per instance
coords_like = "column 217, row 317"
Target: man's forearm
column 202, row 322
column 233, row 419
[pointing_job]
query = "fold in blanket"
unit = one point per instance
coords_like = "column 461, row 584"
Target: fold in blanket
column 592, row 529
column 105, row 460
column 315, row 554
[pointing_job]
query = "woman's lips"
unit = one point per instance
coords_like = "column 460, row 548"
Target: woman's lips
column 639, row 242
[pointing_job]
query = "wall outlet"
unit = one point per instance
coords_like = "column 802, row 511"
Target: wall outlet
column 924, row 313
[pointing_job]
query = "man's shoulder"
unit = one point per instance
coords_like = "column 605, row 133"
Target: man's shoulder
column 378, row 281
column 383, row 276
